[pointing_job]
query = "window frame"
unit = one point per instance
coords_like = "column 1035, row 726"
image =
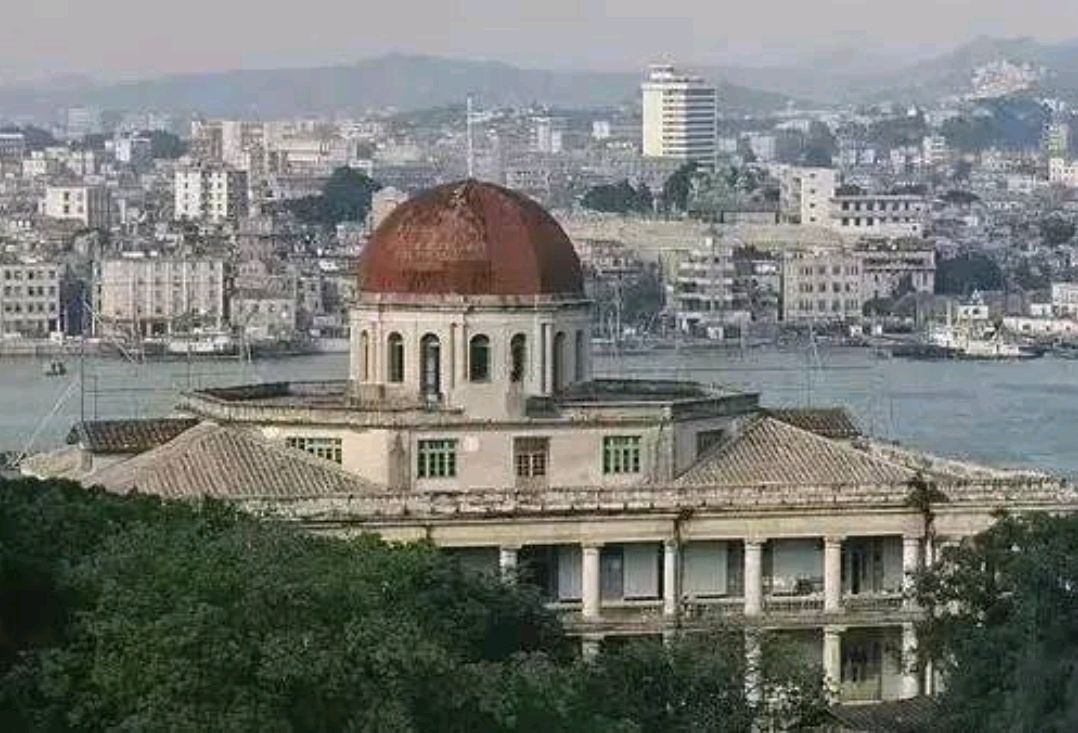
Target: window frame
column 436, row 458
column 479, row 358
column 622, row 455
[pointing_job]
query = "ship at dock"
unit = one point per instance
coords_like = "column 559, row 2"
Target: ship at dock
column 970, row 334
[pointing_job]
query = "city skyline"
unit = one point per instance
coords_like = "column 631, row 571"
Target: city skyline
column 58, row 37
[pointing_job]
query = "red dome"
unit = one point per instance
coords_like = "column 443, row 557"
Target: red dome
column 470, row 238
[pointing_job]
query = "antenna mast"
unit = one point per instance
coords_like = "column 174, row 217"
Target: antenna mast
column 471, row 144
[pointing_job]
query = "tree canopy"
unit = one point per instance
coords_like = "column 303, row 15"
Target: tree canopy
column 346, row 196
column 677, row 188
column 966, row 273
column 133, row 613
column 1003, row 627
column 618, row 198
column 165, row 145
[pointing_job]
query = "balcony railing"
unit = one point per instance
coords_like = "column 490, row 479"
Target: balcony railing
column 794, row 604
column 883, row 601
column 695, row 608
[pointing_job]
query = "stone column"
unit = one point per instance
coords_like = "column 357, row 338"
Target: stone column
column 911, row 562
column 589, row 646
column 507, row 561
column 671, row 579
column 910, row 683
column 832, row 574
column 590, row 582
column 754, row 580
column 832, row 658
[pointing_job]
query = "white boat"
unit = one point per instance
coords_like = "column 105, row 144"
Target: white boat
column 201, row 344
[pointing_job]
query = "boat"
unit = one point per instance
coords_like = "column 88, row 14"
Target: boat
column 55, row 368
column 972, row 336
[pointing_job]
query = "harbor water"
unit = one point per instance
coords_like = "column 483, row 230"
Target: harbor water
column 1010, row 413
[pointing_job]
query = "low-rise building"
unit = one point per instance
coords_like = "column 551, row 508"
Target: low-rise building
column 1065, row 299
column 855, row 213
column 897, row 266
column 153, row 295
column 89, row 205
column 29, row 298
column 822, row 287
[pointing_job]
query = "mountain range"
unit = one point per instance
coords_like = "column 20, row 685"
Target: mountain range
column 410, row 82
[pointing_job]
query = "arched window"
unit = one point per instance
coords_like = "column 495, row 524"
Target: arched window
column 559, row 361
column 430, row 375
column 479, row 359
column 518, row 354
column 364, row 357
column 395, row 358
column 578, row 357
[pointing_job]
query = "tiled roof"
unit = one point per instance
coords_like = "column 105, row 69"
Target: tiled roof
column 830, row 422
column 127, row 436
column 770, row 451
column 231, row 463
column 916, row 715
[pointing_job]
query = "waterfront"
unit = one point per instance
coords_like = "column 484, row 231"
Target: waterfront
column 1009, row 413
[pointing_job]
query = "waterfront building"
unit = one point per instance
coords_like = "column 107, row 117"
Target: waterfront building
column 470, row 417
column 29, row 298
column 821, row 287
column 702, row 292
column 891, row 267
column 1065, row 299
column 679, row 116
column 145, row 294
column 211, row 193
column 89, row 205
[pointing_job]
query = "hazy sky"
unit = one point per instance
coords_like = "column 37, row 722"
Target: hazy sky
column 134, row 38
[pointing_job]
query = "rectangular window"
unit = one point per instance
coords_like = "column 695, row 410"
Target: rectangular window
column 708, row 439
column 530, row 457
column 621, row 454
column 437, row 459
column 328, row 449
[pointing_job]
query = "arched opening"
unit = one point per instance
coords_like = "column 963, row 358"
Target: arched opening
column 518, row 354
column 364, row 357
column 578, row 357
column 395, row 358
column 479, row 359
column 430, row 374
column 559, row 361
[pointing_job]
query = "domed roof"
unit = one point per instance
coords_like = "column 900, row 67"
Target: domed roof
column 470, row 238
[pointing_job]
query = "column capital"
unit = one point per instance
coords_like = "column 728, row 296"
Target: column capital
column 754, row 542
column 591, row 545
column 671, row 543
column 833, row 539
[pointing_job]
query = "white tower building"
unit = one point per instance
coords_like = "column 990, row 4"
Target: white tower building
column 679, row 114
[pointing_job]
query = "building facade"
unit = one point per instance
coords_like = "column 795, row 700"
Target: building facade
column 887, row 215
column 29, row 299
column 822, row 287
column 89, row 205
column 679, row 116
column 153, row 295
column 211, row 194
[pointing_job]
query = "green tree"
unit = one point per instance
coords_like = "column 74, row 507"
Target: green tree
column 967, row 272
column 677, row 188
column 820, row 146
column 618, row 198
column 1056, row 231
column 346, row 196
column 1002, row 627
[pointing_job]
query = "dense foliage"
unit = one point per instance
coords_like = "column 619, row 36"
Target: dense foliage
column 967, row 272
column 1003, row 627
column 677, row 187
column 165, row 145
column 618, row 198
column 346, row 196
column 1008, row 122
column 130, row 613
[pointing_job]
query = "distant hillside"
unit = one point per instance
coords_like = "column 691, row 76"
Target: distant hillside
column 403, row 82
